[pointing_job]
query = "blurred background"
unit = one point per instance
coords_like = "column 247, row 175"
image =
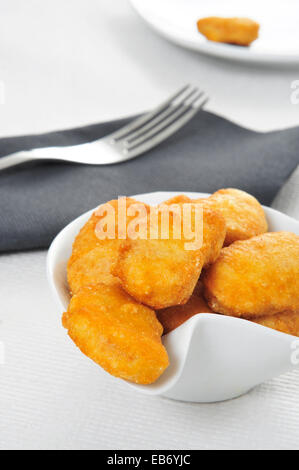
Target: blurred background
column 68, row 63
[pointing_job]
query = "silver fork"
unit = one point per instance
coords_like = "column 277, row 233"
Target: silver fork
column 134, row 139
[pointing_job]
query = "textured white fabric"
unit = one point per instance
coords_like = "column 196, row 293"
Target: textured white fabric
column 52, row 397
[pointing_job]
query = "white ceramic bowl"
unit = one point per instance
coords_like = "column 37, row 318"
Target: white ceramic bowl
column 212, row 357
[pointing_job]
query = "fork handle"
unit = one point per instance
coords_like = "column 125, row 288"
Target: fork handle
column 15, row 159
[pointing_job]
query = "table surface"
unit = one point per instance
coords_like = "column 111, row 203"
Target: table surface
column 71, row 63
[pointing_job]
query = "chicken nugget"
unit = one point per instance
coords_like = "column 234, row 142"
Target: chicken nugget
column 116, row 332
column 92, row 257
column 214, row 233
column 244, row 216
column 163, row 272
column 214, row 227
column 286, row 322
column 87, row 238
column 240, row 31
column 93, row 267
column 256, row 277
column 158, row 273
column 172, row 317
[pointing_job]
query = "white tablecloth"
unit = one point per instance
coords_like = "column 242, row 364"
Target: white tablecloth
column 71, row 62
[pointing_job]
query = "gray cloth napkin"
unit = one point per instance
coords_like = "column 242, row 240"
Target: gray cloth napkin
column 38, row 199
column 287, row 199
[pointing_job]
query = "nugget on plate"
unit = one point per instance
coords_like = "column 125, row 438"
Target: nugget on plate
column 244, row 216
column 240, row 31
column 92, row 258
column 256, row 277
column 118, row 333
column 172, row 317
column 286, row 322
column 163, row 272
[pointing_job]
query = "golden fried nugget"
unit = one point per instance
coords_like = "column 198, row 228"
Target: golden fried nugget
column 93, row 258
column 179, row 199
column 163, row 272
column 243, row 214
column 255, row 278
column 87, row 239
column 286, row 322
column 93, row 267
column 214, row 233
column 116, row 332
column 172, row 317
column 158, row 273
column 240, row 31
column 214, row 227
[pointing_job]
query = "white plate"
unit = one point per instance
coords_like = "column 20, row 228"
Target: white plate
column 212, row 357
column 279, row 33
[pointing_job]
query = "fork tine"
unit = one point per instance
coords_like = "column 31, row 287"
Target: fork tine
column 176, row 104
column 126, row 130
column 178, row 112
column 166, row 132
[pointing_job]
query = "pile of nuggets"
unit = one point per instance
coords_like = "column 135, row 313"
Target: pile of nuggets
column 126, row 292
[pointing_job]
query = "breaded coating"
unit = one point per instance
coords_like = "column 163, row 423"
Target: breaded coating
column 172, row 317
column 286, row 322
column 93, row 267
column 244, row 216
column 179, row 199
column 92, row 259
column 214, row 227
column 116, row 332
column 240, row 31
column 162, row 272
column 158, row 273
column 214, row 233
column 255, row 278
